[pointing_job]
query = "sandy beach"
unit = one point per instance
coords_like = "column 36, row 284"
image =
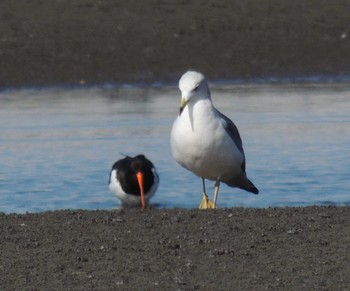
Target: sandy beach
column 87, row 42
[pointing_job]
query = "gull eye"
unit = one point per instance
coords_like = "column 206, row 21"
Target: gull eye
column 196, row 88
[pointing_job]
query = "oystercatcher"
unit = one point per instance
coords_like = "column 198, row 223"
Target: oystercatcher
column 133, row 180
column 205, row 141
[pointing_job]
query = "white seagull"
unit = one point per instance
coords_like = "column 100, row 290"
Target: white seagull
column 205, row 141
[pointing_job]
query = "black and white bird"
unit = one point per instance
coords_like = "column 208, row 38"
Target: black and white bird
column 134, row 180
column 205, row 141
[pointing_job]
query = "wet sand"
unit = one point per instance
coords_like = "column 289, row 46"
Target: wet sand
column 175, row 249
column 88, row 42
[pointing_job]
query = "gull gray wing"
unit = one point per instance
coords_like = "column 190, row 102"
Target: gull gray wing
column 233, row 132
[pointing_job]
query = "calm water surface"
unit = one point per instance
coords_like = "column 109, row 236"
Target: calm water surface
column 57, row 145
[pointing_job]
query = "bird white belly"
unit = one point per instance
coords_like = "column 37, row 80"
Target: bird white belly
column 204, row 147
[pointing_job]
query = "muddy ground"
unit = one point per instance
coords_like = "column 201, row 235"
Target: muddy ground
column 89, row 41
column 176, row 249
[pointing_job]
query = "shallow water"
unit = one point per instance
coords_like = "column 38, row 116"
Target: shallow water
column 57, row 145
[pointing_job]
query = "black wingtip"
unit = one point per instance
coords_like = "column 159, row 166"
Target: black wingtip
column 254, row 190
column 251, row 188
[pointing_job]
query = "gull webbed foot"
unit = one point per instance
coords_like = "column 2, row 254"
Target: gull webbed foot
column 206, row 203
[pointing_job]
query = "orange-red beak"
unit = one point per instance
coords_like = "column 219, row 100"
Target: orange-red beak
column 139, row 176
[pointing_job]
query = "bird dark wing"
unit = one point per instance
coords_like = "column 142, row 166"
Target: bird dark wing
column 233, row 132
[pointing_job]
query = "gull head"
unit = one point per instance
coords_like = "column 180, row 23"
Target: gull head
column 193, row 87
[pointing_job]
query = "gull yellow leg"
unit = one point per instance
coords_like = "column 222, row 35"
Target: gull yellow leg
column 216, row 192
column 206, row 203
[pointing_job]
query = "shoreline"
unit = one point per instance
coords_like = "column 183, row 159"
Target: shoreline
column 267, row 81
